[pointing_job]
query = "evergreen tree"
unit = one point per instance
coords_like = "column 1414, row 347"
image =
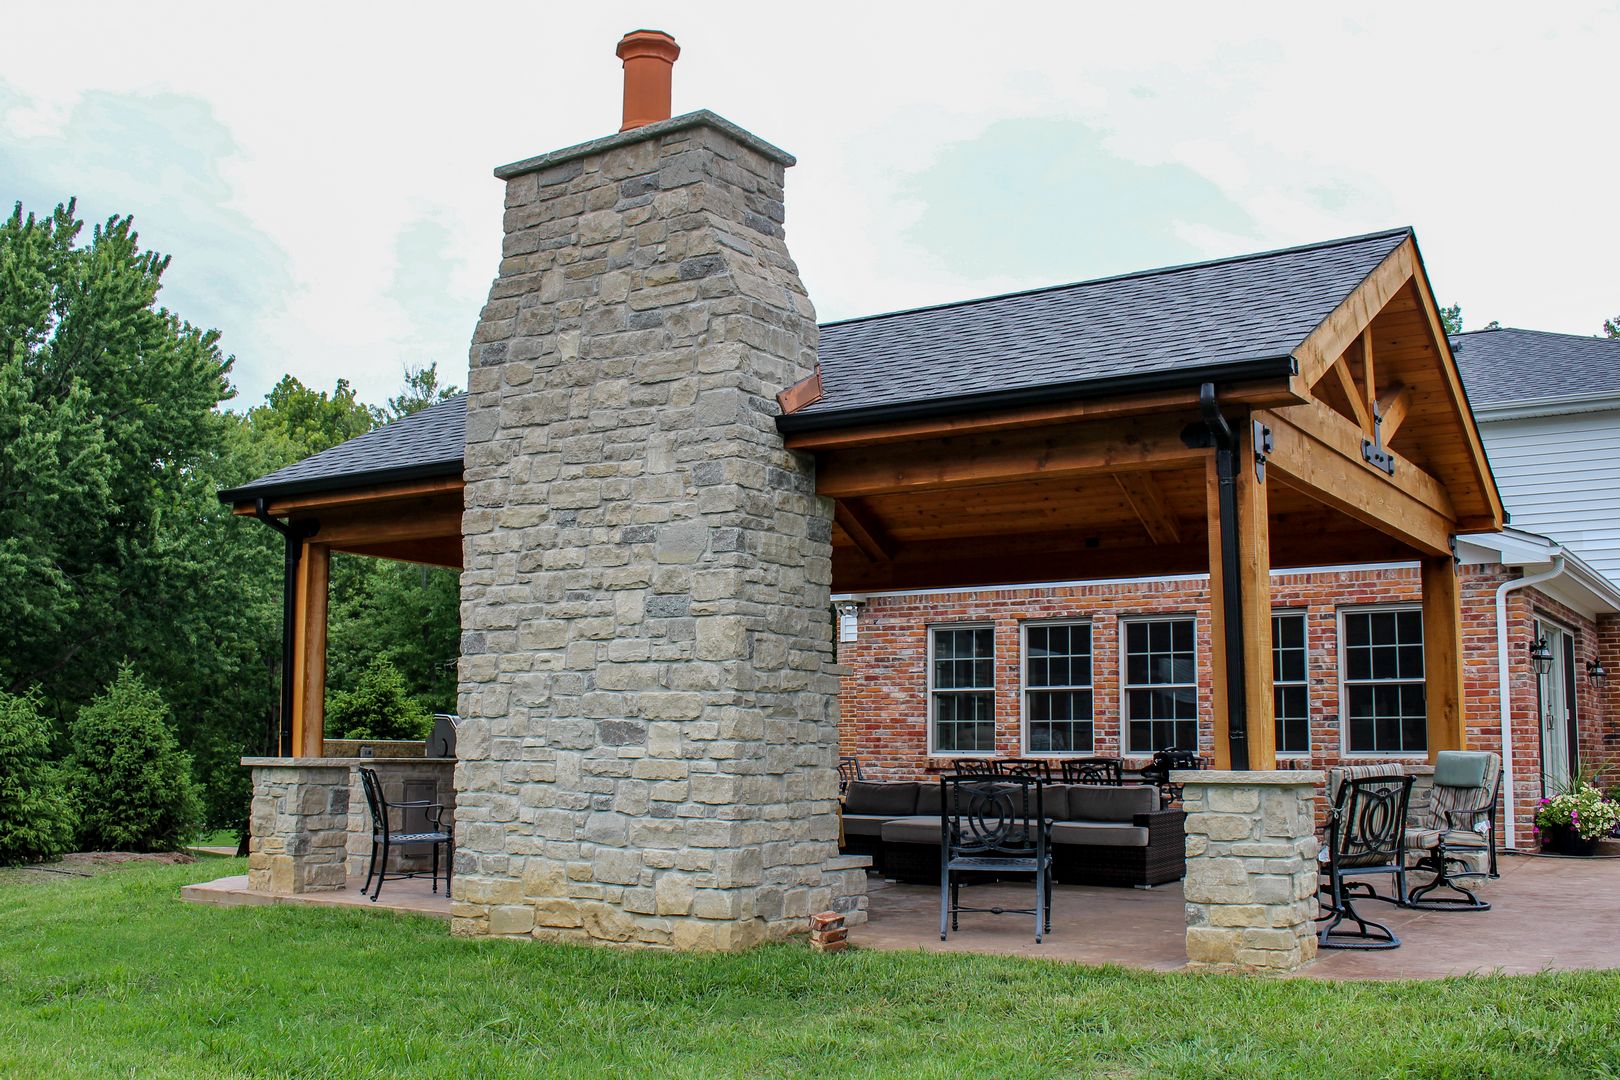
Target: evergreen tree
column 131, row 783
column 36, row 818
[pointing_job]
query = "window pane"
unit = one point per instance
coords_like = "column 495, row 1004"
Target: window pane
column 1064, row 656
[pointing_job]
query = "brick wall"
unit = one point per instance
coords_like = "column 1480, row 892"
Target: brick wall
column 884, row 702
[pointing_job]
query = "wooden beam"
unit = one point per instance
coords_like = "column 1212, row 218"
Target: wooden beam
column 309, row 652
column 1393, row 404
column 1010, row 560
column 1346, row 382
column 1368, row 405
column 860, row 526
column 1147, row 499
column 1082, row 450
column 358, row 496
column 390, row 528
column 441, row 551
column 1220, row 727
column 1442, row 655
column 1328, row 427
column 1317, row 353
column 1271, row 394
column 1324, row 470
column 1254, row 561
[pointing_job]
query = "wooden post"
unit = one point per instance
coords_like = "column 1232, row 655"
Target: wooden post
column 1442, row 655
column 309, row 653
column 1254, row 589
column 1254, row 555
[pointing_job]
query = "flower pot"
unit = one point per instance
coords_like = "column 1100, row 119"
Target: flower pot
column 1563, row 840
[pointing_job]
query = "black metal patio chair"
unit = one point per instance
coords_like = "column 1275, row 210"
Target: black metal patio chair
column 1366, row 838
column 1109, row 771
column 1040, row 768
column 849, row 770
column 991, row 827
column 384, row 838
column 975, row 767
column 1165, row 762
column 1458, row 837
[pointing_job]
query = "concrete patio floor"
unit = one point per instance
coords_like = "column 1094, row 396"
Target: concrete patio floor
column 1547, row 914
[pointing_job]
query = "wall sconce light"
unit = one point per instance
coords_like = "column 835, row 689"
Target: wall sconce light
column 1541, row 657
column 849, row 612
column 1595, row 673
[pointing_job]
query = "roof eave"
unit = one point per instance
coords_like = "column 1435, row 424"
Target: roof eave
column 319, row 484
column 1272, row 367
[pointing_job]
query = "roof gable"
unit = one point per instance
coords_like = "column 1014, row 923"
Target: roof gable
column 1518, row 367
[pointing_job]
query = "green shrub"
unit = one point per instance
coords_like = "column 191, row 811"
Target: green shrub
column 131, row 783
column 379, row 707
column 36, row 816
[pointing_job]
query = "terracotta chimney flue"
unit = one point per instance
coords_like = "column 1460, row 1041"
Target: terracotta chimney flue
column 649, row 58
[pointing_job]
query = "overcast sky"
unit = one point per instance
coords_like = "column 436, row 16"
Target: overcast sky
column 321, row 172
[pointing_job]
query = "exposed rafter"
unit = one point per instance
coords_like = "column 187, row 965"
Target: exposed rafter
column 863, row 529
column 1151, row 507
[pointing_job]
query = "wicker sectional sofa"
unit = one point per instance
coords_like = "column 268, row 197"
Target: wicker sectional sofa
column 1101, row 835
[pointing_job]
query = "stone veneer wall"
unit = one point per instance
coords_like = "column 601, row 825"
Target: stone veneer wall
column 1251, row 869
column 298, row 828
column 649, row 715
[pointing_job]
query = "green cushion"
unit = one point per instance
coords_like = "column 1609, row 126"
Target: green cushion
column 1462, row 768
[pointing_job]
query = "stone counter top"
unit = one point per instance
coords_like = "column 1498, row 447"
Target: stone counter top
column 1251, row 778
column 340, row 762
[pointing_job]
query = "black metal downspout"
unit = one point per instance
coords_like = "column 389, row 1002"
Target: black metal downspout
column 295, row 535
column 1226, row 466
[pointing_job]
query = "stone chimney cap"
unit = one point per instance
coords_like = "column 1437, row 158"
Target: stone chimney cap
column 649, row 58
column 701, row 118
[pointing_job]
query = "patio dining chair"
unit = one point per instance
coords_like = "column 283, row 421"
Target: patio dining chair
column 994, row 827
column 1366, row 838
column 1166, row 761
column 1458, row 837
column 1094, row 770
column 975, row 767
column 384, row 838
column 1039, row 768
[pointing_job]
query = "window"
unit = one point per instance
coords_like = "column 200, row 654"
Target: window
column 1382, row 676
column 962, row 689
column 1161, row 685
column 1291, row 694
column 1057, row 689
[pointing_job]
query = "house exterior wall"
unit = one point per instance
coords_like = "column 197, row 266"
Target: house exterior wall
column 884, row 702
column 1558, row 475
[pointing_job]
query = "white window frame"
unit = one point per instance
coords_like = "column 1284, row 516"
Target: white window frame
column 1024, row 689
column 1304, row 615
column 933, row 750
column 1344, row 698
column 1126, row 686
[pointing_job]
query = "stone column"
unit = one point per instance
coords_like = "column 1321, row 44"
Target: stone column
column 650, row 721
column 299, row 826
column 1251, row 869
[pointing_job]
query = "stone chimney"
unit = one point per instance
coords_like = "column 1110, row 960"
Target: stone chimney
column 650, row 715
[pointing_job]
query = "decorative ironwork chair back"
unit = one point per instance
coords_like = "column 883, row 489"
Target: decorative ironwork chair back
column 849, row 769
column 975, row 767
column 1173, row 758
column 1041, row 770
column 375, row 802
column 1006, row 816
column 1110, row 771
column 1367, row 826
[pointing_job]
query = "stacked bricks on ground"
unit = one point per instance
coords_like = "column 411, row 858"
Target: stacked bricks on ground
column 648, row 747
column 299, row 828
column 828, row 932
column 885, row 703
column 1251, row 869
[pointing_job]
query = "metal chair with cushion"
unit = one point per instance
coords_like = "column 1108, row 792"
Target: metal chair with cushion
column 1366, row 838
column 384, row 838
column 1094, row 770
column 1457, row 839
column 992, row 827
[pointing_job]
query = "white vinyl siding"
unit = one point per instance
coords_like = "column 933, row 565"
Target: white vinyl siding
column 1558, row 476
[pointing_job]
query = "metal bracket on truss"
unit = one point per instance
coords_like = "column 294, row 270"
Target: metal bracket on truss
column 1263, row 446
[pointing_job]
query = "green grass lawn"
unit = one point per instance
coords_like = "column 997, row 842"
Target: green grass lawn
column 115, row 976
column 217, row 838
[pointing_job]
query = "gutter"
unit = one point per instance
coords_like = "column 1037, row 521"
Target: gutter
column 1503, row 691
column 1237, row 696
column 812, row 419
column 295, row 535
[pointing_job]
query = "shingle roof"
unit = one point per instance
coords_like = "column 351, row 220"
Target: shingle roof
column 425, row 444
column 1514, row 367
column 1180, row 324
column 1232, row 318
